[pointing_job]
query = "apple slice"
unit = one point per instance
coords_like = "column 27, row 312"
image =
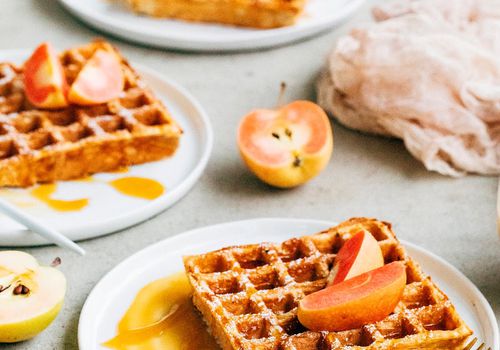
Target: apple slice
column 44, row 80
column 30, row 298
column 358, row 255
column 286, row 147
column 100, row 80
column 367, row 298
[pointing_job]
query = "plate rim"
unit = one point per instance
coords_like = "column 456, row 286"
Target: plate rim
column 83, row 320
column 259, row 39
column 154, row 207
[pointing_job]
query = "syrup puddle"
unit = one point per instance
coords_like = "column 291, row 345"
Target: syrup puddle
column 44, row 193
column 162, row 317
column 138, row 187
column 131, row 186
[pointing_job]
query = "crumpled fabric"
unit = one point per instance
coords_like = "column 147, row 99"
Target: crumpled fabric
column 427, row 72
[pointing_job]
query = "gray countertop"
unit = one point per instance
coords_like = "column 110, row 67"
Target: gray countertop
column 368, row 176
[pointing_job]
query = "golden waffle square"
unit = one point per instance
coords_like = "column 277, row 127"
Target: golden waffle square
column 248, row 296
column 47, row 145
column 246, row 13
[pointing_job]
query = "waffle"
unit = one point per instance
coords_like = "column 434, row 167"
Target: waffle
column 248, row 296
column 43, row 146
column 246, row 13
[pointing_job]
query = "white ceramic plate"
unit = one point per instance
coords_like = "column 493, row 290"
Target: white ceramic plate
column 108, row 210
column 114, row 18
column 112, row 296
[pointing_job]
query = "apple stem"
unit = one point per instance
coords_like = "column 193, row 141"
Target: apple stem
column 281, row 96
column 297, row 161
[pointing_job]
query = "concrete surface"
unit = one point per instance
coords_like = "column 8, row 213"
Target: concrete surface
column 369, row 176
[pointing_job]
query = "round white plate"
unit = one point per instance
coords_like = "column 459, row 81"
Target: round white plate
column 115, row 18
column 108, row 210
column 112, row 296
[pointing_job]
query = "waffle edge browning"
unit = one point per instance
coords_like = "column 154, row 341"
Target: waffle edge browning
column 248, row 296
column 44, row 146
column 246, row 13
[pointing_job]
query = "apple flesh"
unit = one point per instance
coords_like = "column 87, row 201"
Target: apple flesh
column 286, row 147
column 100, row 80
column 364, row 299
column 358, row 255
column 31, row 296
column 44, row 79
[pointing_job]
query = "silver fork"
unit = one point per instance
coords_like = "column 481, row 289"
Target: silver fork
column 473, row 342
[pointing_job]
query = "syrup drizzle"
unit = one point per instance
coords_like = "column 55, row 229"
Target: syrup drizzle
column 44, row 193
column 138, row 187
column 163, row 317
column 130, row 186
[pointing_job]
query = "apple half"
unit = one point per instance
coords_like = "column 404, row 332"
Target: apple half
column 31, row 296
column 288, row 146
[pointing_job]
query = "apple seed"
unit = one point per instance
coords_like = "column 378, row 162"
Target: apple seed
column 56, row 262
column 21, row 289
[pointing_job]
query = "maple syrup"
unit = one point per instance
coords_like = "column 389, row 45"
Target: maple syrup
column 162, row 317
column 44, row 193
column 138, row 187
column 131, row 186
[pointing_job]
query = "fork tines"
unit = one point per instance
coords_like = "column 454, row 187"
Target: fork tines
column 473, row 342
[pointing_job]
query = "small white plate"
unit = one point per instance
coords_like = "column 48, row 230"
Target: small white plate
column 112, row 296
column 114, row 18
column 108, row 210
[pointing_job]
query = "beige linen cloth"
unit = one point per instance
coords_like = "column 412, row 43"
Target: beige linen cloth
column 427, row 72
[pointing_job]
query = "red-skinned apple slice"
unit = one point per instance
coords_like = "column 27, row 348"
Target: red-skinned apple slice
column 358, row 255
column 364, row 299
column 99, row 81
column 44, row 80
column 286, row 147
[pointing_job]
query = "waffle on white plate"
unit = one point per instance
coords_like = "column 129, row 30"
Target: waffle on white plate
column 248, row 296
column 246, row 13
column 40, row 145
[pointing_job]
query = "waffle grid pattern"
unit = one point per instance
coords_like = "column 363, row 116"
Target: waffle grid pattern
column 42, row 145
column 248, row 295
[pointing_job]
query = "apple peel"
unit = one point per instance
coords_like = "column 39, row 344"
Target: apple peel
column 353, row 303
